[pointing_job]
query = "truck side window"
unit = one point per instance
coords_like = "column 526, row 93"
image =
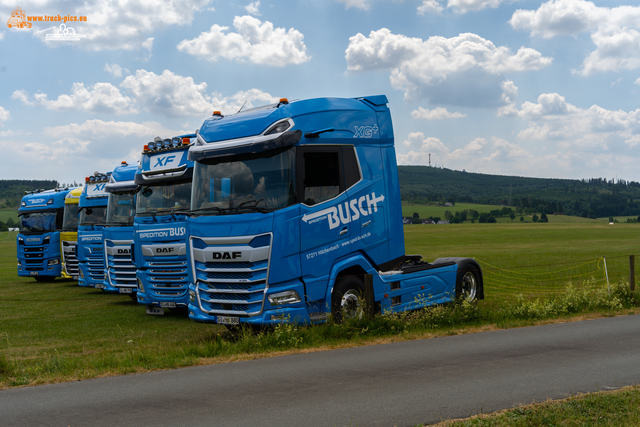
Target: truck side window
column 351, row 167
column 321, row 176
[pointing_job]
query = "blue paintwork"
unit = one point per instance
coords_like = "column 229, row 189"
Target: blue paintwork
column 119, row 271
column 38, row 252
column 160, row 241
column 90, row 250
column 310, row 246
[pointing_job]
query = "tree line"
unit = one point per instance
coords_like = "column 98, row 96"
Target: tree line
column 589, row 198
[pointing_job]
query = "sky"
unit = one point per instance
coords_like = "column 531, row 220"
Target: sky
column 511, row 87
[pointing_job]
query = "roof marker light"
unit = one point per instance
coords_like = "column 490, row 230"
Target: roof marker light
column 217, row 113
column 124, row 162
column 283, row 101
column 186, row 141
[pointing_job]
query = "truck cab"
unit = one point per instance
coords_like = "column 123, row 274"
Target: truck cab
column 69, row 234
column 160, row 233
column 120, row 271
column 89, row 250
column 296, row 216
column 38, row 240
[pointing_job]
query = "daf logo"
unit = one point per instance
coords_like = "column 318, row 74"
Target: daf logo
column 226, row 255
column 164, row 250
column 124, row 251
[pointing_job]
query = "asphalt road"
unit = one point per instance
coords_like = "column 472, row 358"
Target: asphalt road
column 399, row 384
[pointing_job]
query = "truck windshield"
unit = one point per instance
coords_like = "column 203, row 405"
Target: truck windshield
column 246, row 183
column 163, row 199
column 93, row 215
column 121, row 209
column 70, row 217
column 37, row 222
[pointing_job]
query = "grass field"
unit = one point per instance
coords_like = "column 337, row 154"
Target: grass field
column 51, row 332
column 6, row 213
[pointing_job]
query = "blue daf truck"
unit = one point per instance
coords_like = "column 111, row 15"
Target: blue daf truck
column 38, row 241
column 162, row 203
column 296, row 216
column 89, row 250
column 120, row 271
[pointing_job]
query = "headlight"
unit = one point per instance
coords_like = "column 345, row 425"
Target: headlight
column 140, row 285
column 192, row 296
column 53, row 261
column 80, row 273
column 46, row 240
column 20, row 240
column 286, row 297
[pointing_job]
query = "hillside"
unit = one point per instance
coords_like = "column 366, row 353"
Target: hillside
column 595, row 197
column 12, row 190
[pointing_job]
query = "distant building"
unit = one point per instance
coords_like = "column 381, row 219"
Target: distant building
column 448, row 204
column 444, row 222
column 407, row 220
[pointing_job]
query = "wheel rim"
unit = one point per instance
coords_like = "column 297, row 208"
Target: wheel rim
column 351, row 305
column 469, row 286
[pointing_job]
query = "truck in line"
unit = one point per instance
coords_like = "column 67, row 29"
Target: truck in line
column 38, row 241
column 89, row 250
column 120, row 271
column 160, row 233
column 69, row 234
column 296, row 216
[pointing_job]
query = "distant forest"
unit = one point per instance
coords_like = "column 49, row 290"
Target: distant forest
column 589, row 198
column 12, row 190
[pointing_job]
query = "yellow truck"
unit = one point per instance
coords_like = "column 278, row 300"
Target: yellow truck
column 69, row 234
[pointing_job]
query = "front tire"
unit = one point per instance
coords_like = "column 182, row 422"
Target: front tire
column 347, row 300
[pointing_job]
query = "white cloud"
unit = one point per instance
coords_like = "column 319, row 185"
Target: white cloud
column 637, row 82
column 255, row 41
column 1, row 35
column 108, row 130
column 614, row 31
column 464, row 6
column 115, row 70
column 101, row 98
column 553, row 118
column 358, row 4
column 147, row 45
column 430, row 6
column 462, row 70
column 114, row 25
column 173, row 95
column 439, row 113
column 4, row 116
column 509, row 96
column 253, row 8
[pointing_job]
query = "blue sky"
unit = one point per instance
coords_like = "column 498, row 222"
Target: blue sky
column 527, row 88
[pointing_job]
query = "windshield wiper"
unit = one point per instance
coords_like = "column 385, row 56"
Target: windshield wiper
column 253, row 206
column 208, row 208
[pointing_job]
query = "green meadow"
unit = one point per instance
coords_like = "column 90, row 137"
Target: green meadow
column 53, row 332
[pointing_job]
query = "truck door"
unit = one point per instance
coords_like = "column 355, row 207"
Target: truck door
column 325, row 227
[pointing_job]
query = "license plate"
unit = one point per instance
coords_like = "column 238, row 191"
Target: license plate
column 125, row 290
column 157, row 311
column 98, row 286
column 168, row 304
column 33, row 273
column 75, row 277
column 227, row 320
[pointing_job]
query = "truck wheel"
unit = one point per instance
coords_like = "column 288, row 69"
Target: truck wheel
column 467, row 284
column 347, row 301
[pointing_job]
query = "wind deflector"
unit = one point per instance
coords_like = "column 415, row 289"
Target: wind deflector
column 249, row 145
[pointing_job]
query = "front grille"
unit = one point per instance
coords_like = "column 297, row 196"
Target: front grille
column 167, row 279
column 69, row 258
column 121, row 271
column 33, row 258
column 234, row 288
column 95, row 267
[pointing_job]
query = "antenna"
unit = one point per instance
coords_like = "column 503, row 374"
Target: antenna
column 245, row 103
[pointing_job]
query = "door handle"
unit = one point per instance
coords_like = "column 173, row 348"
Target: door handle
column 343, row 231
column 366, row 223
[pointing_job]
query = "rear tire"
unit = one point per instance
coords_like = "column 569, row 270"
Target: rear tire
column 467, row 284
column 347, row 300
